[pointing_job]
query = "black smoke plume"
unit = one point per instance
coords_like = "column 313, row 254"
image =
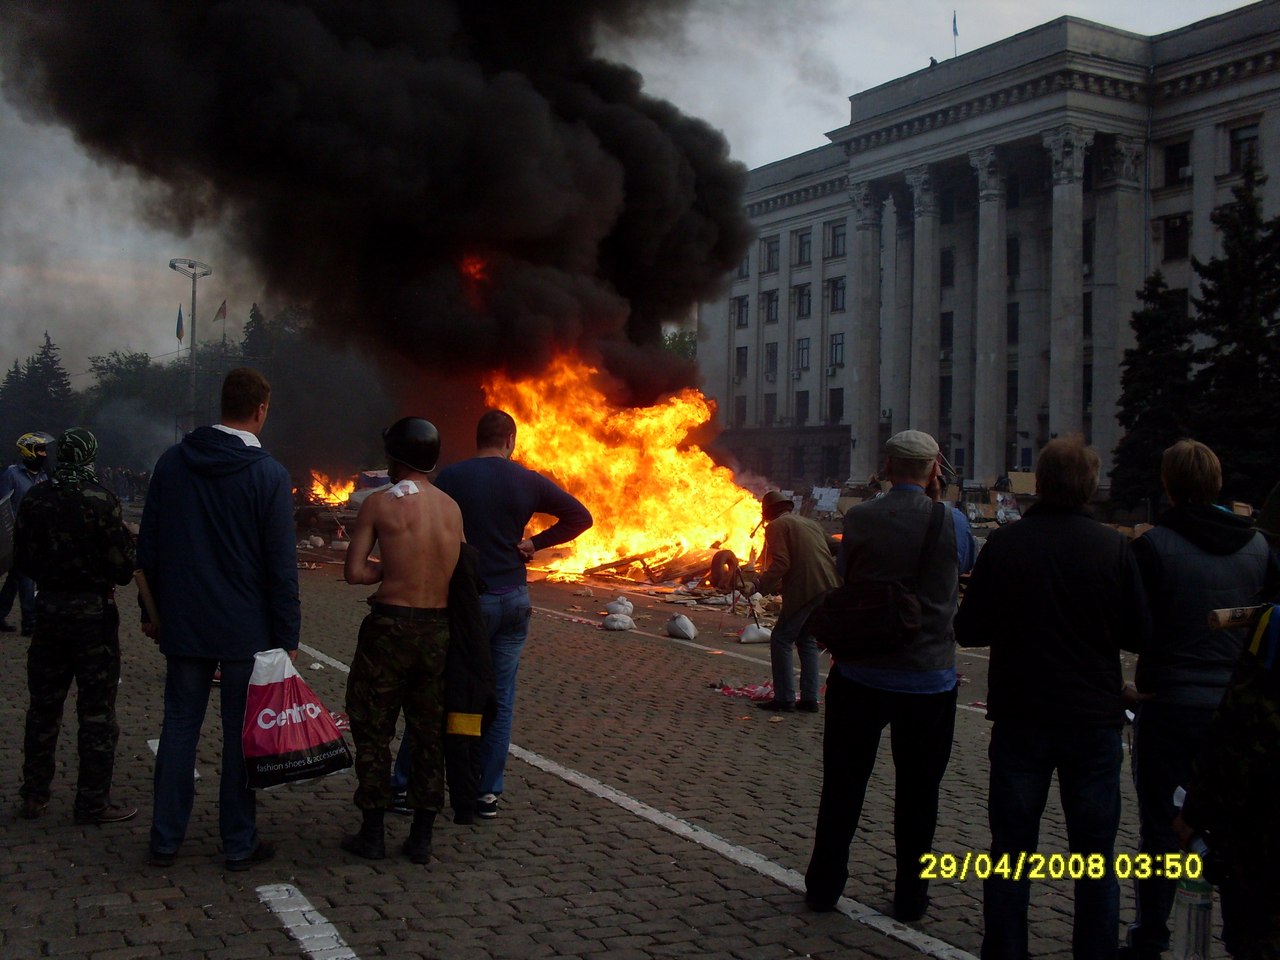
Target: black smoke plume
column 460, row 184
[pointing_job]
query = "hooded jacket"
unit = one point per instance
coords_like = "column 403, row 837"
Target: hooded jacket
column 1196, row 559
column 217, row 546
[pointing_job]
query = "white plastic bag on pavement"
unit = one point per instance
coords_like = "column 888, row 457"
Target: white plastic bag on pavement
column 754, row 633
column 619, row 621
column 621, row 606
column 682, row 627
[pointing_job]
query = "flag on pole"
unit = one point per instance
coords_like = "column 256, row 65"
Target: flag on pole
column 222, row 312
column 955, row 29
column 179, row 323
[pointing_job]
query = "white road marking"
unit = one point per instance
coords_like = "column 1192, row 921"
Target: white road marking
column 930, row 946
column 318, row 938
column 324, row 658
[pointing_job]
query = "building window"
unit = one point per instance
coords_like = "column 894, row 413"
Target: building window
column 1087, row 246
column 769, row 306
column 771, row 360
column 1011, row 324
column 740, row 364
column 802, row 297
column 1183, row 297
column 1244, row 147
column 835, row 405
column 1012, row 192
column 802, row 241
column 946, row 333
column 835, row 294
column 1086, row 392
column 944, row 399
column 1177, row 237
column 1177, row 163
column 1087, row 179
column 948, row 272
column 1012, row 256
column 797, row 462
column 1086, row 315
column 769, row 254
column 802, row 353
column 802, row 407
column 739, row 411
column 835, row 352
column 835, row 238
column 770, row 409
column 744, row 268
column 1011, row 393
column 831, row 462
column 738, row 307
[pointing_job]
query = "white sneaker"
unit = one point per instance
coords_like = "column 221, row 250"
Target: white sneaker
column 487, row 806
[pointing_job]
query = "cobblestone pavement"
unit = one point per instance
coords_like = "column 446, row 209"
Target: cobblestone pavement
column 646, row 815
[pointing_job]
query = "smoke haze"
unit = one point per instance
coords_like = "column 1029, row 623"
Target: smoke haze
column 464, row 186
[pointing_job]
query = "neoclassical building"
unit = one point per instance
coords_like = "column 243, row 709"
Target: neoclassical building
column 964, row 256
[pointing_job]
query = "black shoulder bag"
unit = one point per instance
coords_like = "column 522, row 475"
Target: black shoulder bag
column 861, row 619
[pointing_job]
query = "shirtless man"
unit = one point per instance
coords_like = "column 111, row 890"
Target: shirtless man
column 400, row 655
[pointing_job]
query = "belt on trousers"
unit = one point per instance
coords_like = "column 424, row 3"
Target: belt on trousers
column 408, row 613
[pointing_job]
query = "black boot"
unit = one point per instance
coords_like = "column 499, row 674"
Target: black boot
column 370, row 842
column 418, row 847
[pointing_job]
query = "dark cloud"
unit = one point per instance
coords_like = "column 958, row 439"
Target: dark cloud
column 358, row 153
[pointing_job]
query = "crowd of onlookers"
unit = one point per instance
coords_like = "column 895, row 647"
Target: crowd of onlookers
column 129, row 485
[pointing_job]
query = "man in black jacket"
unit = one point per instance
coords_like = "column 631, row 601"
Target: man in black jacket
column 1198, row 557
column 1056, row 595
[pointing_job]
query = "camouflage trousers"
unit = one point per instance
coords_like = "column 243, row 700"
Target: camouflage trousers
column 399, row 664
column 76, row 638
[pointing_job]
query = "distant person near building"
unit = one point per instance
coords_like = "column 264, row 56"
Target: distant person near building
column 218, row 550
column 911, row 690
column 70, row 539
column 497, row 498
column 1056, row 596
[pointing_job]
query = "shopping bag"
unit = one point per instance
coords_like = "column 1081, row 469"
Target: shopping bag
column 288, row 734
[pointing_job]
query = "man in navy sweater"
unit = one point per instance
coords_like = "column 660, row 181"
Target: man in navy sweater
column 497, row 498
column 217, row 547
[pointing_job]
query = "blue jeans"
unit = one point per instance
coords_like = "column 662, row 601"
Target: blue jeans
column 506, row 621
column 24, row 589
column 1166, row 739
column 186, row 697
column 1023, row 759
column 788, row 631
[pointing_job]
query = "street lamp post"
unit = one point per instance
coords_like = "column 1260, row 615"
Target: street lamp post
column 195, row 270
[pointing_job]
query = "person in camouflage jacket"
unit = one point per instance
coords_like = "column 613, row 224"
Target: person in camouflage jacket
column 70, row 539
column 1232, row 799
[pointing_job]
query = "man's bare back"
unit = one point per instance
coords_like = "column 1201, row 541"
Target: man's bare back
column 418, row 535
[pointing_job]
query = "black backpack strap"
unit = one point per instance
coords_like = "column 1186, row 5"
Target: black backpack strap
column 931, row 536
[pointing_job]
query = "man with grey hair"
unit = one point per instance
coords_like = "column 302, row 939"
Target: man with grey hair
column 911, row 689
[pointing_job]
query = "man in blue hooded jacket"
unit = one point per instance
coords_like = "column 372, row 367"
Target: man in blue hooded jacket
column 217, row 547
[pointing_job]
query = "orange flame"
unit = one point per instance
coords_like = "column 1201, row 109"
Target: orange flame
column 325, row 490
column 647, row 488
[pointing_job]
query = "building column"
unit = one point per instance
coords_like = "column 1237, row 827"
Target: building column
column 864, row 418
column 1117, row 275
column 925, row 303
column 895, row 372
column 1066, row 146
column 990, row 360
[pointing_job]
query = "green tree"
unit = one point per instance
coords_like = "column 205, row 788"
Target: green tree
column 1155, row 395
column 683, row 343
column 1236, row 406
column 256, row 343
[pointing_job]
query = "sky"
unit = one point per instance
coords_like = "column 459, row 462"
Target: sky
column 77, row 260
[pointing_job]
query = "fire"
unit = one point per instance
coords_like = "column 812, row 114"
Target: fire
column 649, row 490
column 325, row 490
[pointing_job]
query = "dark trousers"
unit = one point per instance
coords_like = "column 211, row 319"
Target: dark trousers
column 24, row 589
column 1023, row 759
column 1166, row 739
column 920, row 732
column 187, row 684
column 399, row 663
column 84, row 648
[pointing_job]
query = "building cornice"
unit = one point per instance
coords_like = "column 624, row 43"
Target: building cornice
column 1217, row 75
column 792, row 198
column 1066, row 80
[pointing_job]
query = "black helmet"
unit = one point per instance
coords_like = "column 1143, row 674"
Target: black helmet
column 33, row 448
column 413, row 442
